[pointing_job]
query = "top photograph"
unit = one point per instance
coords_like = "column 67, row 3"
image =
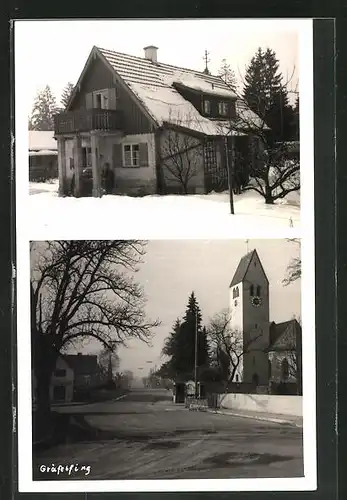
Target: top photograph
column 123, row 122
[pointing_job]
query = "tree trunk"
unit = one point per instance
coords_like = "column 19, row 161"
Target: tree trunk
column 268, row 196
column 43, row 380
column 42, row 421
column 44, row 359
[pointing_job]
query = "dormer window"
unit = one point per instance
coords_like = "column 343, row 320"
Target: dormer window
column 207, row 107
column 223, row 108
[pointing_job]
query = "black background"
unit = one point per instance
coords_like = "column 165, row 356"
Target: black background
column 330, row 226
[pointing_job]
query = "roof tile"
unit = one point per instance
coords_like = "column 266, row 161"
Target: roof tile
column 153, row 84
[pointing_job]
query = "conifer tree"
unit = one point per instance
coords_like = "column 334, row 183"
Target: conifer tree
column 266, row 94
column 66, row 94
column 180, row 345
column 44, row 109
column 296, row 120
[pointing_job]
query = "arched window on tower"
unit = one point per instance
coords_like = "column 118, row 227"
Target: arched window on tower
column 251, row 290
column 258, row 290
column 237, row 291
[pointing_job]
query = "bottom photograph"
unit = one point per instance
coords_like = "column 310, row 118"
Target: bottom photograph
column 166, row 359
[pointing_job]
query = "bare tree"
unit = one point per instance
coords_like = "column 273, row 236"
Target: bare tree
column 83, row 290
column 294, row 267
column 274, row 171
column 227, row 74
column 181, row 155
column 227, row 345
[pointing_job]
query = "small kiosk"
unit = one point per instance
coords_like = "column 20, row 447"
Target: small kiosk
column 183, row 390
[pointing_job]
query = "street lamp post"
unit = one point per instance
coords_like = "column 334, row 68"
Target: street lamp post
column 196, row 355
column 230, row 166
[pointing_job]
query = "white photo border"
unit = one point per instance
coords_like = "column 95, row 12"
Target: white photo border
column 25, row 234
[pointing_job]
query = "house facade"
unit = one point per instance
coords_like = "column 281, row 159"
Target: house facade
column 271, row 352
column 137, row 126
column 62, row 382
column 87, row 373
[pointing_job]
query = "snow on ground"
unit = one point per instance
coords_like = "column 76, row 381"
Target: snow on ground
column 44, row 187
column 116, row 216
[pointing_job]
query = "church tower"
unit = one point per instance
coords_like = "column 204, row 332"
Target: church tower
column 249, row 308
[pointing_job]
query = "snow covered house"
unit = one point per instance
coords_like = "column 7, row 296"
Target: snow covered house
column 152, row 127
column 43, row 155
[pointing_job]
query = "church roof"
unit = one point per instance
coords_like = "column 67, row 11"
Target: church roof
column 277, row 330
column 242, row 268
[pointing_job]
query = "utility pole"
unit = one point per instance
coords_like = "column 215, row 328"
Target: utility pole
column 196, row 354
column 230, row 170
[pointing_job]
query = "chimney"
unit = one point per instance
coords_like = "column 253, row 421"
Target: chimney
column 151, row 53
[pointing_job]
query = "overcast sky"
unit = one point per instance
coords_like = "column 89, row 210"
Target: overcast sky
column 172, row 269
column 54, row 52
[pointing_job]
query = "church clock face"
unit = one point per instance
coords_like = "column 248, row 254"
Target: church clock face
column 256, row 301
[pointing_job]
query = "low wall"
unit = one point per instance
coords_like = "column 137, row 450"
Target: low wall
column 267, row 403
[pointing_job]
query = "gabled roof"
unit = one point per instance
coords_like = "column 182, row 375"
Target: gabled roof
column 277, row 330
column 154, row 85
column 243, row 266
column 42, row 140
column 82, row 364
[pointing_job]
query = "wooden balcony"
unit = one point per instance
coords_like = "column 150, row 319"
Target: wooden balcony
column 85, row 120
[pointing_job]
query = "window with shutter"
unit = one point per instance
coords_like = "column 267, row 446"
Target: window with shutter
column 223, row 108
column 207, row 107
column 135, row 155
column 127, row 155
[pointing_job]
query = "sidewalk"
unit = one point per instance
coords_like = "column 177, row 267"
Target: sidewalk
column 257, row 415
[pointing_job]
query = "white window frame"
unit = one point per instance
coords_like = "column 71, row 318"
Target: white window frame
column 207, row 106
column 223, row 108
column 133, row 152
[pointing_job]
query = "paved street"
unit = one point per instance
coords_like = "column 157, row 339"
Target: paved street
column 145, row 436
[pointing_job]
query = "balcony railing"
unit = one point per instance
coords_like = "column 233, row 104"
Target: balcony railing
column 85, row 120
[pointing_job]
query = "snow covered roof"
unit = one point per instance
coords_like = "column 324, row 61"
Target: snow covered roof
column 42, row 140
column 153, row 83
column 43, row 152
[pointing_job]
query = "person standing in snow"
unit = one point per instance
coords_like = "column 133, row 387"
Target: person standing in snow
column 72, row 184
column 108, row 178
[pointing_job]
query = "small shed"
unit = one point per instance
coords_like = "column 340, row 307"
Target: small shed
column 43, row 155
